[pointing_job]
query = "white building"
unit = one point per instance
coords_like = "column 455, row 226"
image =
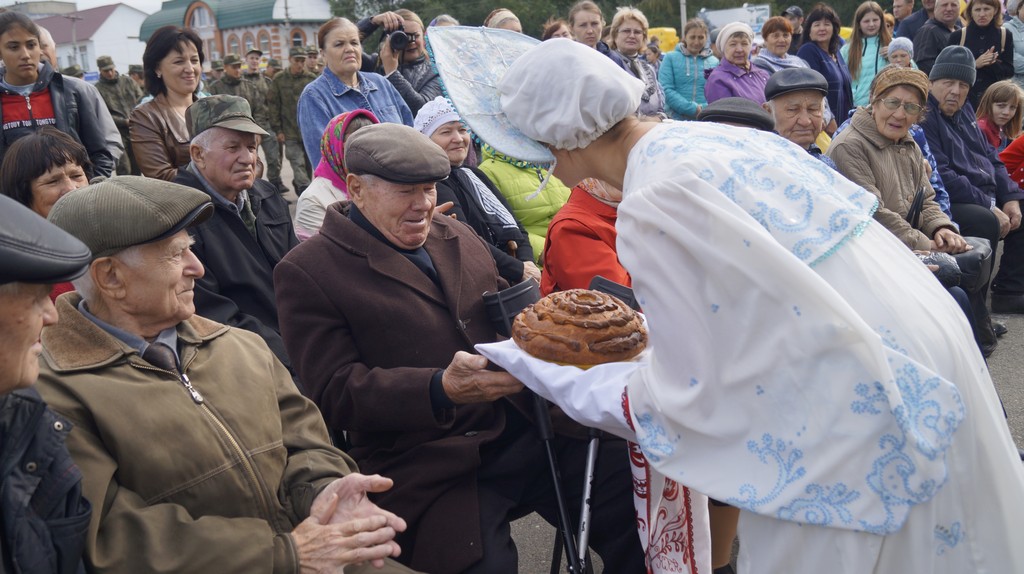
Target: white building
column 110, row 30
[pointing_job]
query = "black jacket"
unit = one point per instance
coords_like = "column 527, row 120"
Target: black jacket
column 43, row 517
column 929, row 41
column 979, row 40
column 469, row 211
column 238, row 287
column 80, row 112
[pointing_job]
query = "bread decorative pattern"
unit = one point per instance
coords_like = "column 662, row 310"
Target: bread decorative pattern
column 580, row 327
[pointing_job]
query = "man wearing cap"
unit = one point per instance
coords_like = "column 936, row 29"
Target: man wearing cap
column 136, row 73
column 795, row 16
column 197, row 451
column 739, row 112
column 121, row 95
column 271, row 148
column 911, row 25
column 313, row 60
column 42, row 510
column 984, row 201
column 74, row 71
column 250, row 229
column 380, row 312
column 216, row 72
column 273, row 67
column 795, row 97
column 283, row 105
column 934, row 34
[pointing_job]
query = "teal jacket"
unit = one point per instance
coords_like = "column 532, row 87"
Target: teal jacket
column 682, row 76
column 871, row 62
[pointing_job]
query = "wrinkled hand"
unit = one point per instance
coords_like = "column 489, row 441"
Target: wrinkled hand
column 531, row 271
column 390, row 21
column 466, row 380
column 1004, row 221
column 280, row 137
column 948, row 241
column 344, row 527
column 1012, row 210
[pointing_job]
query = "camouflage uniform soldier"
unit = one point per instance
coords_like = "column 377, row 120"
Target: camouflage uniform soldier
column 283, row 103
column 138, row 75
column 273, row 67
column 74, row 70
column 234, row 84
column 120, row 93
column 216, row 71
column 271, row 149
column 313, row 60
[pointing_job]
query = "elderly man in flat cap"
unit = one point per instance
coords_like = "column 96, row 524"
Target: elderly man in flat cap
column 42, row 511
column 197, row 451
column 795, row 97
column 250, row 229
column 380, row 312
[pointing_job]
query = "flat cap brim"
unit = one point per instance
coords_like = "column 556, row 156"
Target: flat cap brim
column 33, row 250
column 241, row 125
column 737, row 111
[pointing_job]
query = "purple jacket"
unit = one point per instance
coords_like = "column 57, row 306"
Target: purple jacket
column 729, row 80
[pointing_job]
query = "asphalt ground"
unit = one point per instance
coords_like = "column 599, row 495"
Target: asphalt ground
column 535, row 538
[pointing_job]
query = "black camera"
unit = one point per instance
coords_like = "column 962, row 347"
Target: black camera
column 398, row 39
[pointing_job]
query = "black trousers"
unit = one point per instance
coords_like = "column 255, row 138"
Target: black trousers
column 977, row 221
column 515, row 480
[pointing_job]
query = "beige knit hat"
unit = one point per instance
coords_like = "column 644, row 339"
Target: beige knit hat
column 891, row 76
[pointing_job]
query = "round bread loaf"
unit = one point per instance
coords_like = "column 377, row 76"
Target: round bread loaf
column 580, row 327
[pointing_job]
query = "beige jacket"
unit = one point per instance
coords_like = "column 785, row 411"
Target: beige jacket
column 178, row 485
column 893, row 171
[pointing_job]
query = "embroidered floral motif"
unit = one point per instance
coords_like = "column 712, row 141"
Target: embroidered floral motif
column 771, row 452
column 948, row 537
column 653, row 439
column 823, row 507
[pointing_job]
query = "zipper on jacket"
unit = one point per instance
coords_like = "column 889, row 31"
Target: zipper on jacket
column 250, row 472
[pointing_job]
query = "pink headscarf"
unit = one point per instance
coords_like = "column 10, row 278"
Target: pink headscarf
column 332, row 147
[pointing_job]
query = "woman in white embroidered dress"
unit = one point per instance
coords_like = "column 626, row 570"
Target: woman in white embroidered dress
column 791, row 376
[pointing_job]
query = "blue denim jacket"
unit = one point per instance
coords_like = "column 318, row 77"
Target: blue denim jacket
column 327, row 96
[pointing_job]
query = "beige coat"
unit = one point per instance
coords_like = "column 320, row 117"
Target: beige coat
column 893, row 171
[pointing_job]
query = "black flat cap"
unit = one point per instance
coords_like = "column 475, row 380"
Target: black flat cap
column 33, row 250
column 737, row 111
column 795, row 80
column 397, row 153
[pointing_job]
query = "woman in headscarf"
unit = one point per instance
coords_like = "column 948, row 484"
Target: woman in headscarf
column 735, row 76
column 328, row 185
column 769, row 289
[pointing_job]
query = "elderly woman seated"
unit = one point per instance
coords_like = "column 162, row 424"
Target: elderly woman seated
column 475, row 200
column 735, row 76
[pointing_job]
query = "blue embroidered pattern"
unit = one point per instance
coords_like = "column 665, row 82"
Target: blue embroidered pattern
column 948, row 537
column 654, row 440
column 824, row 506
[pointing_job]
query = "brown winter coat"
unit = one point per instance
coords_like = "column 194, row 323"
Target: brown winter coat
column 159, row 139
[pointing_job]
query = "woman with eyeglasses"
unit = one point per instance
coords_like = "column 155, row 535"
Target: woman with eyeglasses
column 878, row 153
column 629, row 36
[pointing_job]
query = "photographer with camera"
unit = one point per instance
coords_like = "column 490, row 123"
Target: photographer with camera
column 402, row 50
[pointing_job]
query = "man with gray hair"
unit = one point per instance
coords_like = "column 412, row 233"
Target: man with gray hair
column 196, row 449
column 41, row 500
column 796, row 99
column 250, row 230
column 47, row 46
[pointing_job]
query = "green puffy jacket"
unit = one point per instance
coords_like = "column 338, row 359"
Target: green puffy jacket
column 516, row 181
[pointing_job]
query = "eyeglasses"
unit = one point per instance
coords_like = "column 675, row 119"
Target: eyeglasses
column 893, row 104
column 630, row 32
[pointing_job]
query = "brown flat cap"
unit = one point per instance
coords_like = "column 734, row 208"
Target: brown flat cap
column 128, row 210
column 397, row 153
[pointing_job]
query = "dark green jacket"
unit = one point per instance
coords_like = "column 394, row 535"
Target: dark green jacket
column 283, row 102
column 121, row 95
column 245, row 89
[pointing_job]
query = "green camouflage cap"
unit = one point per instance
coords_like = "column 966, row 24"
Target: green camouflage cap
column 312, row 50
column 105, row 63
column 135, row 69
column 128, row 210
column 221, row 111
column 274, row 63
column 255, row 51
column 232, row 59
column 217, row 65
column 75, row 71
column 297, row 52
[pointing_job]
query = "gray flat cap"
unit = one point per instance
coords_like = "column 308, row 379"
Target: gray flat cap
column 737, row 111
column 397, row 153
column 128, row 210
column 33, row 250
column 795, row 80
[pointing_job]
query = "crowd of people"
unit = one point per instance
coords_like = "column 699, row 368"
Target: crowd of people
column 229, row 362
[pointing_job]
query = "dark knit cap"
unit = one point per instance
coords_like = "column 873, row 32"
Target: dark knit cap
column 737, row 111
column 954, row 63
column 397, row 153
column 128, row 210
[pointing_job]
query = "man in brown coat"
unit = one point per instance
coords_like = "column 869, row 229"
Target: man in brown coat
column 379, row 313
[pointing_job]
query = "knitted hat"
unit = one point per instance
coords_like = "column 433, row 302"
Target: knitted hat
column 729, row 30
column 128, row 210
column 891, row 76
column 435, row 114
column 954, row 63
column 902, row 45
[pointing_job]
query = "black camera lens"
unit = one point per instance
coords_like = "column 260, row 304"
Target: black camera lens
column 398, row 39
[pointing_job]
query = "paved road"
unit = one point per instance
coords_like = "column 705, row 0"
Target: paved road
column 534, row 537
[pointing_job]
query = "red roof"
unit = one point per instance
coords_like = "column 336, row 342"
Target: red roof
column 91, row 20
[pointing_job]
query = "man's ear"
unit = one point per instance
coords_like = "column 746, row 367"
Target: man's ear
column 107, row 277
column 196, row 152
column 355, row 189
